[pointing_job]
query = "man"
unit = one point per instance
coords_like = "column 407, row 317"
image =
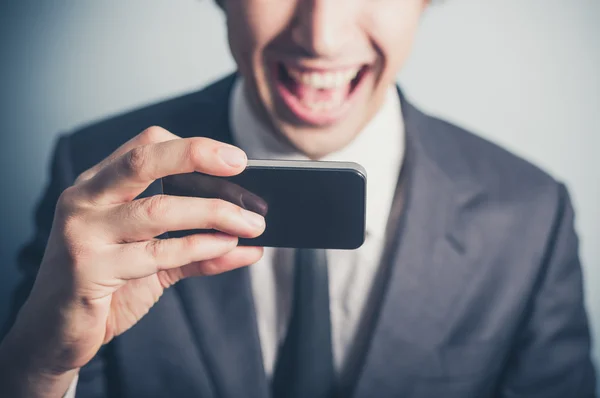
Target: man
column 468, row 285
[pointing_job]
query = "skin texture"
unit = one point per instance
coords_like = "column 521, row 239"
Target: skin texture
column 320, row 34
column 103, row 270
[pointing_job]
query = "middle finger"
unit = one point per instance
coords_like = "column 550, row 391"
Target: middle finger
column 147, row 218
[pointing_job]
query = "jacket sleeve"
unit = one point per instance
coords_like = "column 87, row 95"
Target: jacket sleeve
column 551, row 357
column 93, row 380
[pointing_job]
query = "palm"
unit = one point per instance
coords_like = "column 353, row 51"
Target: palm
column 134, row 299
column 113, row 314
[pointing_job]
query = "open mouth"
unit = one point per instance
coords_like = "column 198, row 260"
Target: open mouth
column 318, row 96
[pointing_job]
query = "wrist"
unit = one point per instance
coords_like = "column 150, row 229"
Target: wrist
column 23, row 373
column 34, row 354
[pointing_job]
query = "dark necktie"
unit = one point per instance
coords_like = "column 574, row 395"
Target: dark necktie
column 304, row 367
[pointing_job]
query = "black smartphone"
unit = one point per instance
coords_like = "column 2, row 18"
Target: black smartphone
column 306, row 204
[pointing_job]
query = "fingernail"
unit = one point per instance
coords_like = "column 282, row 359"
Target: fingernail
column 253, row 219
column 234, row 157
column 252, row 202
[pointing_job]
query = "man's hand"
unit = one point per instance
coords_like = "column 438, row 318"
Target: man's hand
column 103, row 267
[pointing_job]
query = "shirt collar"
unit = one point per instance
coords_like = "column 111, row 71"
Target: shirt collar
column 379, row 148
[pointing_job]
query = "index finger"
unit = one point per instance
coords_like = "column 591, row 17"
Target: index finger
column 148, row 136
column 131, row 173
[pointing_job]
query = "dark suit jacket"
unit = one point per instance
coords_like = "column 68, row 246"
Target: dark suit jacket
column 483, row 295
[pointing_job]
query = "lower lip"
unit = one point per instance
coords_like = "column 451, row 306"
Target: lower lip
column 317, row 118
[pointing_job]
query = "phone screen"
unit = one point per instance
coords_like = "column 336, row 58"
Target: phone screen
column 303, row 207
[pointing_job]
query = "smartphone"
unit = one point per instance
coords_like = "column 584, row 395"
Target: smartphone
column 306, row 204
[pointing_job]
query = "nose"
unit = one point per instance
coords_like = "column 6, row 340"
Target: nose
column 322, row 27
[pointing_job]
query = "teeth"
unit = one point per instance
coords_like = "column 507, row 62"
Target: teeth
column 324, row 80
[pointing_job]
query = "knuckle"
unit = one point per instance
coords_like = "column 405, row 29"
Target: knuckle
column 76, row 231
column 189, row 245
column 155, row 207
column 218, row 210
column 155, row 248
column 78, row 255
column 72, row 216
column 77, row 228
column 136, row 160
column 78, row 249
column 197, row 148
column 67, row 202
column 86, row 175
column 153, row 134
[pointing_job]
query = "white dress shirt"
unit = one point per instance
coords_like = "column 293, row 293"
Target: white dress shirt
column 379, row 148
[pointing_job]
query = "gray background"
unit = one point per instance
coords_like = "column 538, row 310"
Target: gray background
column 523, row 73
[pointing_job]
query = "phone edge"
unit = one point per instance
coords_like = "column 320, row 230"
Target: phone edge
column 307, row 164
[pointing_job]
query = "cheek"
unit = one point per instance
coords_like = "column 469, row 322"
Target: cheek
column 252, row 26
column 241, row 35
column 392, row 31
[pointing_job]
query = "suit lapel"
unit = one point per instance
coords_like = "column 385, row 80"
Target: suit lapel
column 425, row 272
column 220, row 309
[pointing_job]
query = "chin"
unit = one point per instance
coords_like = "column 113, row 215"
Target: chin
column 317, row 142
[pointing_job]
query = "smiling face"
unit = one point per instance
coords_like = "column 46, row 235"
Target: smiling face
column 318, row 70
